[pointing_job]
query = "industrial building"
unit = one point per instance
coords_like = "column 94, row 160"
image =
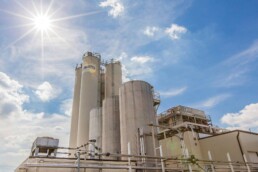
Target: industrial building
column 115, row 127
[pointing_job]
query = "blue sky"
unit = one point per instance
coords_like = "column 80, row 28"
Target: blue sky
column 202, row 54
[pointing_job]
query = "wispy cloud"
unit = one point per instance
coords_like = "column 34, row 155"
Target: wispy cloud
column 236, row 67
column 246, row 119
column 172, row 92
column 175, row 31
column 244, row 57
column 213, row 101
column 117, row 8
column 142, row 59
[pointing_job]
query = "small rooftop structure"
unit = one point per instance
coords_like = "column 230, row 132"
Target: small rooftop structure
column 44, row 146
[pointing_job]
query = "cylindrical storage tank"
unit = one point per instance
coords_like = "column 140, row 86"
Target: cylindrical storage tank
column 75, row 109
column 95, row 126
column 113, row 78
column 111, row 126
column 89, row 96
column 111, row 121
column 136, row 112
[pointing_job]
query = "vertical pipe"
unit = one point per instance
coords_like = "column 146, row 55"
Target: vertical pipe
column 153, row 140
column 162, row 160
column 188, row 156
column 129, row 158
column 230, row 164
column 210, row 158
column 246, row 163
column 78, row 161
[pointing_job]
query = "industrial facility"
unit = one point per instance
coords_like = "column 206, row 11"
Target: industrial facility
column 115, row 127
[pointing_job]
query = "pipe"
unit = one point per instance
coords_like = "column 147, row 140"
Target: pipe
column 96, row 166
column 240, row 146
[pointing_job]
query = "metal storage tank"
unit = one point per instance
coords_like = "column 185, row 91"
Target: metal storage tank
column 89, row 95
column 95, row 126
column 111, row 121
column 75, row 108
column 136, row 112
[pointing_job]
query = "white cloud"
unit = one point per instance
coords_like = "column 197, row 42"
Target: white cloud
column 12, row 96
column 150, row 31
column 175, row 31
column 117, row 8
column 213, row 101
column 173, row 92
column 46, row 92
column 142, row 59
column 245, row 119
column 19, row 127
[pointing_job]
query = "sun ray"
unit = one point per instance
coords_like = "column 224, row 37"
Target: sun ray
column 18, row 26
column 22, row 6
column 42, row 53
column 21, row 37
column 76, row 16
column 49, row 7
column 65, row 41
column 35, row 8
column 16, row 14
column 41, row 8
column 54, row 12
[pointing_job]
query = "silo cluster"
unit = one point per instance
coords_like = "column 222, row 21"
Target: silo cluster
column 113, row 113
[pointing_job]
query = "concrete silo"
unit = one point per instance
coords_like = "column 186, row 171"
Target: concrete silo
column 75, row 108
column 111, row 121
column 136, row 112
column 89, row 95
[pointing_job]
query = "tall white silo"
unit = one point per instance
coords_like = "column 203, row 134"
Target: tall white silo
column 111, row 121
column 75, row 108
column 89, row 95
column 136, row 112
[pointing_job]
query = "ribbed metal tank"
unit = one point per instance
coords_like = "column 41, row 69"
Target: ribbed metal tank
column 95, row 126
column 136, row 112
column 89, row 95
column 75, row 108
column 111, row 121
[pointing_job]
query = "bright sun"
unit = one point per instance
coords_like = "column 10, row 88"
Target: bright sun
column 42, row 22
